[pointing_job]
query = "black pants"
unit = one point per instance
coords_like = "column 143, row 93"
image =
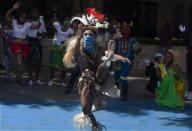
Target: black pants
column 150, row 71
column 74, row 75
column 189, row 69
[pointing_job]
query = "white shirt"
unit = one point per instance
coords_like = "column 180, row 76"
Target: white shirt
column 42, row 28
column 20, row 31
column 61, row 36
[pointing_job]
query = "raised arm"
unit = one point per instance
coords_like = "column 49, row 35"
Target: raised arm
column 76, row 48
column 68, row 58
column 15, row 6
column 111, row 49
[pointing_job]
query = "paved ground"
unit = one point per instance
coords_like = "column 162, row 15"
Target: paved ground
column 44, row 108
column 118, row 116
column 11, row 91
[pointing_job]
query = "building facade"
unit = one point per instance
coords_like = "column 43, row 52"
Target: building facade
column 147, row 15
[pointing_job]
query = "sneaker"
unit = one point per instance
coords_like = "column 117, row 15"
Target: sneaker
column 63, row 84
column 38, row 82
column 30, row 83
column 189, row 96
column 50, row 83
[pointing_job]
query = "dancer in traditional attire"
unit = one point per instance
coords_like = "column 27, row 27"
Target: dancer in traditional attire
column 126, row 46
column 93, row 70
column 63, row 32
column 19, row 43
column 35, row 52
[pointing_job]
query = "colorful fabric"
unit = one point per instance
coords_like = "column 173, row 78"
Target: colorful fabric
column 56, row 60
column 89, row 43
column 125, row 48
column 19, row 40
column 35, row 53
column 23, row 48
column 123, row 73
column 170, row 91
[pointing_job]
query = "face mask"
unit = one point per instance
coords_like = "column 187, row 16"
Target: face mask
column 89, row 43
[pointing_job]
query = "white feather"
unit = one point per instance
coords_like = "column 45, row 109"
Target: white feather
column 68, row 59
column 80, row 121
column 84, row 21
column 91, row 20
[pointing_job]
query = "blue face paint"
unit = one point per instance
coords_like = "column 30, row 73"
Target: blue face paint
column 89, row 43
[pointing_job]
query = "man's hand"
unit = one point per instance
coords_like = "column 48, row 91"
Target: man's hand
column 16, row 5
column 182, row 28
column 111, row 45
column 126, row 60
column 111, row 48
column 118, row 57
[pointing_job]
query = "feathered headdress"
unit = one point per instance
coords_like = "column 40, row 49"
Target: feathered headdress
column 125, row 29
column 176, row 54
column 92, row 18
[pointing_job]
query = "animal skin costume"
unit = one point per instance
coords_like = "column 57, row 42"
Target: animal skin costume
column 93, row 69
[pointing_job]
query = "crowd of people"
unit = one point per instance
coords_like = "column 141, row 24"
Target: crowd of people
column 91, row 47
column 20, row 43
column 166, row 79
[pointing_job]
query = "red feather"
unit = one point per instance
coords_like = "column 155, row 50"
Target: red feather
column 91, row 11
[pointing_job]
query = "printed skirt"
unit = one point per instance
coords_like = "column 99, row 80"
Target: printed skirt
column 56, row 60
column 20, row 45
column 35, row 52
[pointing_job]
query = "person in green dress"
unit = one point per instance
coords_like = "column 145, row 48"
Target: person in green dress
column 63, row 32
column 171, row 90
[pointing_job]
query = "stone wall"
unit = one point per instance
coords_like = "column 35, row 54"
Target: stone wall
column 46, row 50
column 148, row 51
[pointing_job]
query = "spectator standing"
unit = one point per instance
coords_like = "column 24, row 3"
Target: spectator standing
column 166, row 33
column 63, row 32
column 19, row 43
column 35, row 53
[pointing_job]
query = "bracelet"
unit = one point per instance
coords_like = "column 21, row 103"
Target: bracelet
column 105, row 58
